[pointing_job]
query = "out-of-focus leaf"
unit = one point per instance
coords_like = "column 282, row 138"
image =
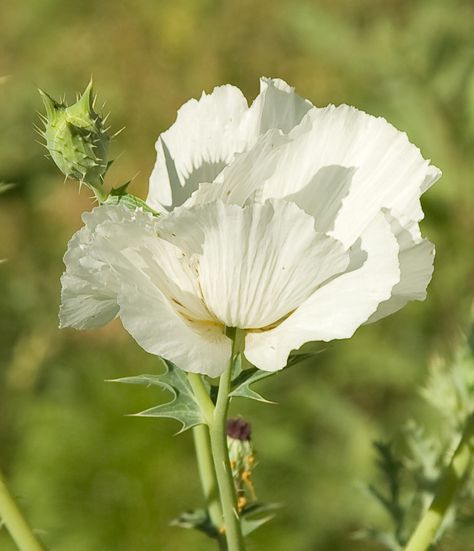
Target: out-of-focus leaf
column 252, row 519
column 386, row 539
column 196, row 519
column 5, row 186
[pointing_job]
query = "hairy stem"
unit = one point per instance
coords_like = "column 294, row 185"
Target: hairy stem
column 16, row 524
column 451, row 482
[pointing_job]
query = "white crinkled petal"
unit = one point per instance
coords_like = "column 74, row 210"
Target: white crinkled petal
column 197, row 146
column 336, row 309
column 89, row 286
column 340, row 165
column 276, row 107
column 378, row 168
column 256, row 264
column 416, row 258
column 161, row 304
column 150, row 283
column 209, row 132
column 242, row 179
column 87, row 303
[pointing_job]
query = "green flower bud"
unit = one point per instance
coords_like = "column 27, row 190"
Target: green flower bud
column 76, row 139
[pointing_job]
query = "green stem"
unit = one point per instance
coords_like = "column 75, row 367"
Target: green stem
column 16, row 524
column 208, row 478
column 203, row 399
column 202, row 444
column 450, row 484
column 220, row 452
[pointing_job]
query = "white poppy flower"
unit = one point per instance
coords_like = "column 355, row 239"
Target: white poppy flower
column 290, row 222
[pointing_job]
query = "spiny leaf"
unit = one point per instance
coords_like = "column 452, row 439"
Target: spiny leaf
column 307, row 351
column 182, row 407
column 241, row 385
column 120, row 196
column 251, row 519
column 196, row 519
column 120, row 190
column 238, row 365
column 296, row 359
column 250, row 525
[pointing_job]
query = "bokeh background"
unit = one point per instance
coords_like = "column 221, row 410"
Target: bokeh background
column 90, row 478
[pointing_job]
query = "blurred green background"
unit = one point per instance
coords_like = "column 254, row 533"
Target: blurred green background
column 90, row 478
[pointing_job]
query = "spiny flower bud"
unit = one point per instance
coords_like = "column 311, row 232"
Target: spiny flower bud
column 242, row 460
column 76, row 138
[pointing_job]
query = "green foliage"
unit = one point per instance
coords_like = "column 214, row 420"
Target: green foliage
column 412, row 474
column 252, row 518
column 241, row 385
column 390, row 468
column 256, row 515
column 119, row 195
column 4, row 186
column 183, row 406
column 450, row 385
column 196, row 519
column 245, row 375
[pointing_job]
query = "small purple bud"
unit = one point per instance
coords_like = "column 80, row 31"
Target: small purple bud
column 238, row 429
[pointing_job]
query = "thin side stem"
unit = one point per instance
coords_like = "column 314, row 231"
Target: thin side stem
column 15, row 522
column 207, row 475
column 450, row 484
column 220, row 452
column 200, row 393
